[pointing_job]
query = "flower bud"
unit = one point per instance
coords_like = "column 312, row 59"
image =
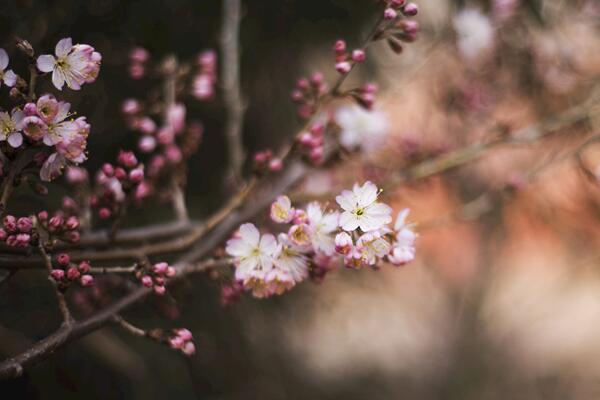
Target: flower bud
column 410, row 10
column 57, row 274
column 24, row 224
column 343, row 67
column 147, row 281
column 390, row 14
column 84, row 267
column 73, row 274
column 159, row 290
column 358, row 55
column 86, row 280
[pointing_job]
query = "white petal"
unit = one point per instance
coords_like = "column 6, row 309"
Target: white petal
column 46, row 63
column 268, row 244
column 62, row 112
column 314, row 213
column 3, row 59
column 63, row 47
column 367, row 194
column 250, row 234
column 348, row 221
column 15, row 139
column 10, row 78
column 238, row 248
column 346, row 200
column 401, row 219
column 58, row 79
column 330, row 222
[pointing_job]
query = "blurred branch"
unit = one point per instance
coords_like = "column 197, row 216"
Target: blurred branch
column 232, row 96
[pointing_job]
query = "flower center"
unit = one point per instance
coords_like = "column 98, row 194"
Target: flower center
column 359, row 212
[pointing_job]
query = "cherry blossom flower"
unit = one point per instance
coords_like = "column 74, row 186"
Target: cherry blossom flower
column 360, row 127
column 73, row 65
column 253, row 254
column 291, row 259
column 403, row 248
column 8, row 76
column 372, row 246
column 321, row 228
column 361, row 209
column 281, row 210
column 475, row 33
column 10, row 126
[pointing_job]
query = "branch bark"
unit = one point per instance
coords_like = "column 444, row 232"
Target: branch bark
column 231, row 86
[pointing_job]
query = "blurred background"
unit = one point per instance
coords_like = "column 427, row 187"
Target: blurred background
column 503, row 299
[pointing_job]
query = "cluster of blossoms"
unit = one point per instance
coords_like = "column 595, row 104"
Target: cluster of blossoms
column 73, row 64
column 115, row 183
column 312, row 143
column 17, row 232
column 167, row 146
column 317, row 241
column 344, row 59
column 266, row 161
column 137, row 62
column 48, row 121
column 60, row 225
column 399, row 29
column 203, row 84
column 307, row 94
column 156, row 277
column 65, row 272
column 182, row 340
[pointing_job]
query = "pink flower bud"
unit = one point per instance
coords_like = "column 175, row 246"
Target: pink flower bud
column 339, row 46
column 160, row 268
column 185, row 334
column 69, row 203
column 303, row 84
column 159, row 290
column 3, row 235
column 30, row 109
column 275, row 165
column 130, row 107
column 22, row 239
column 305, row 139
column 176, row 342
column 73, row 236
column 173, row 154
column 104, row 213
column 72, row 223
column 358, row 55
column 63, row 259
column 76, row 175
column 343, row 67
column 390, row 14
column 397, row 3
column 147, row 144
column 24, row 224
column 43, row 215
column 73, row 274
column 139, row 54
column 171, row 272
column 147, row 281
column 137, row 71
column 136, row 175
column 410, row 10
column 57, row 274
column 410, row 27
column 86, row 280
column 55, row 222
column 108, row 170
column 84, row 267
column 297, row 96
column 189, row 349
column 146, row 125
column 127, row 159
column 10, row 223
column 159, row 280
column 166, row 136
column 120, row 173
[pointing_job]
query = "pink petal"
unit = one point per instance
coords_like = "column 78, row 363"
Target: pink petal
column 3, row 59
column 63, row 47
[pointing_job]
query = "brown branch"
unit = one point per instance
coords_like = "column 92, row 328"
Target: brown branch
column 113, row 270
column 60, row 297
column 7, row 189
column 231, row 86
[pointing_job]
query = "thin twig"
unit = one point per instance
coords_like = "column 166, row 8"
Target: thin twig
column 60, row 297
column 129, row 327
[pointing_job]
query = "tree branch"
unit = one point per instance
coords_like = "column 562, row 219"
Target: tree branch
column 231, row 86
